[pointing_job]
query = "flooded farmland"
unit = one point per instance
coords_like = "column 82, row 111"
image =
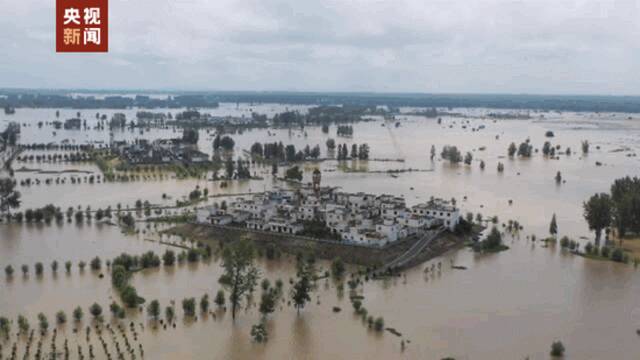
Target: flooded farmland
column 506, row 305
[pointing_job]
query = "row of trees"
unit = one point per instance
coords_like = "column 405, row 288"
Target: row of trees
column 277, row 151
column 70, row 157
column 117, row 311
column 49, row 212
column 91, row 179
column 525, row 149
column 95, row 264
column 345, row 130
column 360, row 152
column 56, row 146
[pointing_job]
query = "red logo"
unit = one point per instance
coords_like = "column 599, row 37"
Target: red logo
column 82, row 26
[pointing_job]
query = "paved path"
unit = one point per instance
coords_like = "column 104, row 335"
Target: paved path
column 414, row 250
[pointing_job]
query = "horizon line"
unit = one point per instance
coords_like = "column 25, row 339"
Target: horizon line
column 303, row 92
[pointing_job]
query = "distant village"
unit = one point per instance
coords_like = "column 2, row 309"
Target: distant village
column 360, row 218
column 159, row 152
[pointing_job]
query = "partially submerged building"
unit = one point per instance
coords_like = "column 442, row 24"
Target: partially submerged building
column 159, row 152
column 351, row 217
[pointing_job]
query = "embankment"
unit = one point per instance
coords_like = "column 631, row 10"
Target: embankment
column 354, row 254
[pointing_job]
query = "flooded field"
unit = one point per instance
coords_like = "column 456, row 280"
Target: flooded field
column 508, row 305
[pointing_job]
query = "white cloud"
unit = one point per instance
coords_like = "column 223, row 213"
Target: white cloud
column 534, row 46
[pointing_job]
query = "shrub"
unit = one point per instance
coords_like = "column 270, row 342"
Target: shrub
column 95, row 310
column 169, row 258
column 204, row 303
column 189, row 307
column 357, row 304
column 169, row 313
column 617, row 255
column 557, row 348
column 61, row 317
column 378, row 325
column 153, row 309
column 39, row 268
column 43, row 323
column 149, row 260
column 193, row 255
column 119, row 277
column 96, row 263
column 130, row 297
column 77, row 314
column 219, row 300
column 259, row 333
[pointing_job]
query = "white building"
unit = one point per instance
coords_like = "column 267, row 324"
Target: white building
column 439, row 209
column 353, row 217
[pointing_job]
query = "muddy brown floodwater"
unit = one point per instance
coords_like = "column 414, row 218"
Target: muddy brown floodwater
column 508, row 305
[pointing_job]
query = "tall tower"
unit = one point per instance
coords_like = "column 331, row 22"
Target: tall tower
column 316, row 181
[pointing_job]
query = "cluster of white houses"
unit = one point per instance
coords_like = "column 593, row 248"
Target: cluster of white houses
column 353, row 217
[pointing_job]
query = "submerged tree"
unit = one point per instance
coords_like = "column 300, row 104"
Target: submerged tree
column 95, row 310
column 553, row 226
column 452, row 154
column 625, row 198
column 23, row 324
column 204, row 303
column 268, row 301
column 597, row 212
column 9, row 196
column 169, row 313
column 78, row 314
column 61, row 317
column 300, row 293
column 557, row 349
column 43, row 323
column 189, row 307
column 240, row 274
column 259, row 333
column 337, row 268
column 468, row 158
column 5, row 326
column 493, row 240
column 219, row 300
column 153, row 309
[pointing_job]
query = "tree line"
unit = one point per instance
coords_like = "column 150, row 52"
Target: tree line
column 277, row 151
column 619, row 209
column 360, row 152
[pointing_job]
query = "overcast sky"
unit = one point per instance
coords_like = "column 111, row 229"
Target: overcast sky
column 462, row 46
